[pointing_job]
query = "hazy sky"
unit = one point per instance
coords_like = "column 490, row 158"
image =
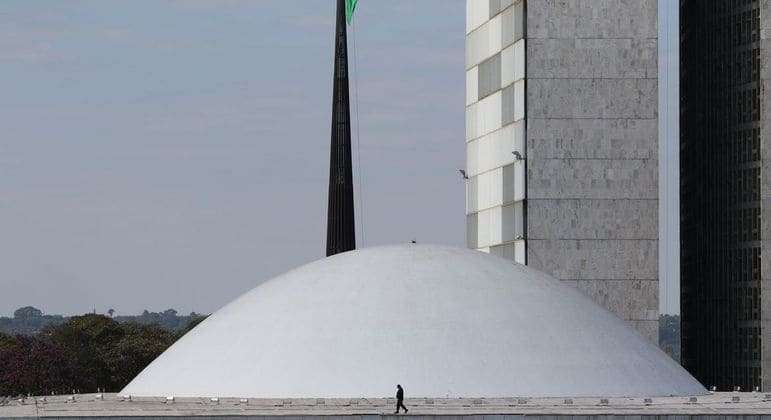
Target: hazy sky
column 160, row 154
column 669, row 151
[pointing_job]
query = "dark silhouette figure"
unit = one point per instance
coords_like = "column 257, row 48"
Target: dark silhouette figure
column 400, row 399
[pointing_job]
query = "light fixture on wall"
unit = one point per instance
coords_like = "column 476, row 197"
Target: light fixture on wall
column 463, row 173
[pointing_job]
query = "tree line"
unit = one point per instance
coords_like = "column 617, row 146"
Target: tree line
column 30, row 320
column 81, row 354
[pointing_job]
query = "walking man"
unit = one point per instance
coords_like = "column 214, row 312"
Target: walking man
column 400, row 399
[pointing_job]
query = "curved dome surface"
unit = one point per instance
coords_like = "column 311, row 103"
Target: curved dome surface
column 441, row 321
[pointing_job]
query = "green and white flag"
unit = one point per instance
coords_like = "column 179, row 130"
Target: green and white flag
column 350, row 6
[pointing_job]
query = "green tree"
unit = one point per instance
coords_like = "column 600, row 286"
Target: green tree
column 6, row 341
column 28, row 313
column 87, row 340
column 139, row 346
column 86, row 352
column 28, row 320
column 34, row 365
column 195, row 319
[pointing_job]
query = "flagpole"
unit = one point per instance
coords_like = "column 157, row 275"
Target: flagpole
column 341, row 231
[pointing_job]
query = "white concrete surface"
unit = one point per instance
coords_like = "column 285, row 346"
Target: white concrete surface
column 443, row 322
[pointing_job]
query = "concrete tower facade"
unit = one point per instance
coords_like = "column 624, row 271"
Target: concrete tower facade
column 495, row 127
column 562, row 144
column 725, row 185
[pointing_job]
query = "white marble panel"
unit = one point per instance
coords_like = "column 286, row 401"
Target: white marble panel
column 495, row 149
column 484, row 42
column 483, row 117
column 477, row 13
column 472, row 85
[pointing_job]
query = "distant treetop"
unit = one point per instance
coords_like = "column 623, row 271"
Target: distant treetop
column 27, row 312
column 30, row 320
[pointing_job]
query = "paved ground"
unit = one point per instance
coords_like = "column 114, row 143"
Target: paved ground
column 113, row 405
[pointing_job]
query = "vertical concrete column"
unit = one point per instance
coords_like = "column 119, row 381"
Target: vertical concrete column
column 592, row 150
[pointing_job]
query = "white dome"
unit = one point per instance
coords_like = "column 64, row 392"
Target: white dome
column 443, row 322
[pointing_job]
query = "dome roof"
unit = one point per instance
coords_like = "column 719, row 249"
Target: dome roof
column 441, row 321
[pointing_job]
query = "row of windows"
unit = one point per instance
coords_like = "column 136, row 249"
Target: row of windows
column 748, row 344
column 495, row 35
column 750, row 304
column 742, row 146
column 733, row 68
column 495, row 111
column 480, row 11
column 733, row 25
column 746, row 27
column 736, row 266
column 745, row 225
column 732, row 226
column 498, row 71
column 746, row 146
column 720, row 191
column 744, row 185
column 496, row 149
column 495, row 226
column 746, row 66
column 746, row 105
column 495, row 100
column 739, row 106
column 496, row 187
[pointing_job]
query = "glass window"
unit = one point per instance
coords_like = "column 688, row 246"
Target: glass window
column 489, row 76
column 471, row 231
column 512, row 25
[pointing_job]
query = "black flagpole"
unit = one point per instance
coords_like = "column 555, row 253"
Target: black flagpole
column 341, row 231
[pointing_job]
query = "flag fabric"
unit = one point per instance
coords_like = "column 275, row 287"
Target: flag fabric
column 350, row 6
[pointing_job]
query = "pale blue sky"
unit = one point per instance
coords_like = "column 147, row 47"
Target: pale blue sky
column 160, row 154
column 669, row 150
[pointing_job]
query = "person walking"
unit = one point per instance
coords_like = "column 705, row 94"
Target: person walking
column 400, row 399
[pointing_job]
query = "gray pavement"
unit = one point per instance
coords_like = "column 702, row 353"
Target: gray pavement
column 92, row 406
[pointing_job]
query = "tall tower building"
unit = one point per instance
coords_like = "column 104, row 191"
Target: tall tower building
column 725, row 180
column 341, row 226
column 561, row 138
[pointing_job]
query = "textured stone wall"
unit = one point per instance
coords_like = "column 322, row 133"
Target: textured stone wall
column 592, row 137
